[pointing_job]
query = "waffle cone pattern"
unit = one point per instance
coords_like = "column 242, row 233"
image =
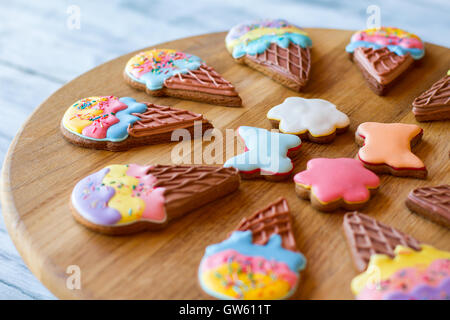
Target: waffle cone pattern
column 275, row 219
column 367, row 237
column 383, row 60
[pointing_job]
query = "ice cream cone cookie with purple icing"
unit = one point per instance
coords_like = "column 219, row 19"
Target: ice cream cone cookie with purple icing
column 315, row 120
column 166, row 72
column 259, row 261
column 274, row 47
column 394, row 265
column 267, row 154
column 331, row 184
column 384, row 54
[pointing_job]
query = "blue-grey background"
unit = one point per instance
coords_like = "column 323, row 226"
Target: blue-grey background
column 39, row 53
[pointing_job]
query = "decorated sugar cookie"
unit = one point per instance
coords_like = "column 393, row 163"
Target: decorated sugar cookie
column 396, row 266
column 116, row 124
column 122, row 199
column 166, row 72
column 316, row 120
column 267, row 154
column 275, row 47
column 336, row 183
column 259, row 261
column 383, row 54
column 386, row 148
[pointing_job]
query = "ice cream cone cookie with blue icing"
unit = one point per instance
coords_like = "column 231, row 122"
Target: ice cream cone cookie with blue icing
column 274, row 47
column 397, row 266
column 386, row 148
column 118, row 124
column 267, row 154
column 384, row 54
column 331, row 184
column 259, row 261
column 124, row 199
column 166, row 72
column 315, row 120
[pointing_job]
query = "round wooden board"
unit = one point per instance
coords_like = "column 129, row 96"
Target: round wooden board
column 41, row 169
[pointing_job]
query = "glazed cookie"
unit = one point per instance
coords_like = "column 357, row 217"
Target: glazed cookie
column 276, row 48
column 383, row 54
column 331, row 184
column 432, row 203
column 259, row 261
column 118, row 124
column 394, row 266
column 386, row 148
column 164, row 72
column 266, row 154
column 124, row 199
column 434, row 104
column 315, row 120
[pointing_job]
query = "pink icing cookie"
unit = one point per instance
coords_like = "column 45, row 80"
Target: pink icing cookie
column 336, row 183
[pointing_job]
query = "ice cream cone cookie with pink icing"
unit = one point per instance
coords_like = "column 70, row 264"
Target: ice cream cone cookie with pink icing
column 124, row 199
column 386, row 148
column 267, row 154
column 259, row 261
column 166, row 72
column 315, row 120
column 383, row 54
column 274, row 47
column 118, row 124
column 331, row 184
column 399, row 268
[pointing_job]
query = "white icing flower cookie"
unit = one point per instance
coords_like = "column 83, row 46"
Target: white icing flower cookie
column 315, row 120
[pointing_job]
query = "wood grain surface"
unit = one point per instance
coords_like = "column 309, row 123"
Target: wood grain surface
column 41, row 169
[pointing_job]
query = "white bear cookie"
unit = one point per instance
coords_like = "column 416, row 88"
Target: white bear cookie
column 315, row 120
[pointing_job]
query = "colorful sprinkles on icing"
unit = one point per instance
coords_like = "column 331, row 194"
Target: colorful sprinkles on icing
column 396, row 40
column 118, row 195
column 102, row 118
column 238, row 269
column 153, row 67
column 255, row 37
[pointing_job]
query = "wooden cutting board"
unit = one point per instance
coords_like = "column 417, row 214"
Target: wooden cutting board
column 41, row 169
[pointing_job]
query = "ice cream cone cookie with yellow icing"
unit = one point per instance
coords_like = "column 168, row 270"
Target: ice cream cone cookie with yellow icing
column 274, row 47
column 398, row 266
column 386, row 148
column 259, row 261
column 267, row 154
column 315, row 120
column 331, row 184
column 124, row 199
column 383, row 54
column 166, row 72
column 118, row 124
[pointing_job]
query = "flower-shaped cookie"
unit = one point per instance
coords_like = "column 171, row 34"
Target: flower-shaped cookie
column 386, row 148
column 267, row 154
column 334, row 183
column 316, row 120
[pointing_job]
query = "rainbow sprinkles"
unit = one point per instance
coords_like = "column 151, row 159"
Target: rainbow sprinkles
column 153, row 67
column 396, row 40
column 255, row 37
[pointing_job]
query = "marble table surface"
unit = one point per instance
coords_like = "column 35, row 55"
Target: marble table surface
column 42, row 47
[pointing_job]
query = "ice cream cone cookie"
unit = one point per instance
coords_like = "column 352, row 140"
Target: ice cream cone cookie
column 315, row 120
column 383, row 54
column 165, row 72
column 331, row 184
column 434, row 104
column 124, row 199
column 386, row 148
column 276, row 48
column 266, row 154
column 398, row 267
column 259, row 261
column 118, row 124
